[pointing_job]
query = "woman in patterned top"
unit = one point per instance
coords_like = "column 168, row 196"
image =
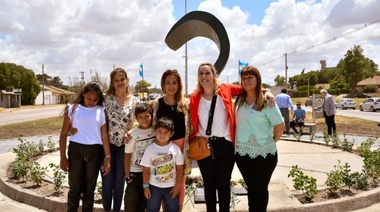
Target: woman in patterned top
column 119, row 103
column 174, row 106
column 258, row 128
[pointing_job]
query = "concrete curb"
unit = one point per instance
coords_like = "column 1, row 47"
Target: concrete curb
column 26, row 196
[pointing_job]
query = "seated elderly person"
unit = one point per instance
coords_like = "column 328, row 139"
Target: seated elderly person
column 299, row 115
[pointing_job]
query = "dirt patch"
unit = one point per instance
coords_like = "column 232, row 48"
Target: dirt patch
column 325, row 194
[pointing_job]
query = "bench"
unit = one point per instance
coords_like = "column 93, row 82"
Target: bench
column 312, row 127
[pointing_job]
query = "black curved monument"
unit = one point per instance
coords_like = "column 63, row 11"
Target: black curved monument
column 203, row 24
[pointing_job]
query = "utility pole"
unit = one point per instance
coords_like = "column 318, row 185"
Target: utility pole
column 43, row 85
column 286, row 70
column 186, row 70
column 82, row 77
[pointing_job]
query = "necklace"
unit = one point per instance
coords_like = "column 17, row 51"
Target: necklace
column 172, row 106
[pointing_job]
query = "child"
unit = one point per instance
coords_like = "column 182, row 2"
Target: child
column 163, row 169
column 141, row 137
column 85, row 153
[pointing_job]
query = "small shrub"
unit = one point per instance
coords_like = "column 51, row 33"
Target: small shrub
column 304, row 183
column 326, row 137
column 59, row 177
column 347, row 145
column 335, row 141
column 335, row 178
column 50, row 143
column 19, row 168
column 365, row 147
column 360, row 180
column 371, row 164
column 41, row 146
column 348, row 179
column 234, row 200
column 36, row 173
column 312, row 134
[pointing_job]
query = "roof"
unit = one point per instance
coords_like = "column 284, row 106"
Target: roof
column 58, row 90
column 325, row 86
column 375, row 80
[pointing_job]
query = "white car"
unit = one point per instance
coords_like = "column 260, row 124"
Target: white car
column 371, row 104
column 345, row 103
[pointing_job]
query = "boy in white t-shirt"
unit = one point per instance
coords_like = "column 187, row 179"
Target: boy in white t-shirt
column 141, row 137
column 163, row 169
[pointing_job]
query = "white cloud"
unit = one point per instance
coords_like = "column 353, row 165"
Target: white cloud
column 73, row 36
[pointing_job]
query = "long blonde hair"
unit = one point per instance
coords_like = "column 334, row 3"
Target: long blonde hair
column 259, row 103
column 215, row 79
column 111, row 88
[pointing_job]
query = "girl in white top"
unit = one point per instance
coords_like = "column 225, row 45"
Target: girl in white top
column 85, row 153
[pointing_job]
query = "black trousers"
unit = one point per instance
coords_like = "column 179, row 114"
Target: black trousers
column 257, row 173
column 330, row 122
column 134, row 198
column 84, row 165
column 293, row 125
column 216, row 174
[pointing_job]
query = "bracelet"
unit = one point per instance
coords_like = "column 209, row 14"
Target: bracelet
column 145, row 185
column 107, row 156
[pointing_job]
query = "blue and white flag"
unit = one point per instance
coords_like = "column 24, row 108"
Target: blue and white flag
column 241, row 63
column 141, row 70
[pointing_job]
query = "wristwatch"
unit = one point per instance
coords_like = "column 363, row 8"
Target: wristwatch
column 145, row 185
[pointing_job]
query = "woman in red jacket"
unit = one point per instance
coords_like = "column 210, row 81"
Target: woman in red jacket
column 216, row 173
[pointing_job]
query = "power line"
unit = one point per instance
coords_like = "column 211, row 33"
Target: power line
column 319, row 44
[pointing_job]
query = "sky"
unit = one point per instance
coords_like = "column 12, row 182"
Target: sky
column 70, row 37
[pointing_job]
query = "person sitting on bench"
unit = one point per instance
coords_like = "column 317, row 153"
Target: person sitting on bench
column 299, row 116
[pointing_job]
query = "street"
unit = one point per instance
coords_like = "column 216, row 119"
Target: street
column 373, row 116
column 16, row 115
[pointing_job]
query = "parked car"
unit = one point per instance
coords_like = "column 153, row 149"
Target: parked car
column 309, row 101
column 345, row 103
column 371, row 104
column 362, row 95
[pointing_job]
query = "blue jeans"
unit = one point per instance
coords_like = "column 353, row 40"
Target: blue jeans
column 113, row 182
column 157, row 194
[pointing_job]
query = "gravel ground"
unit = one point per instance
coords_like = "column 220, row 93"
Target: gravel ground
column 7, row 145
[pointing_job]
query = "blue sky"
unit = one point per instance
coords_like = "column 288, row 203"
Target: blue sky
column 94, row 35
column 256, row 8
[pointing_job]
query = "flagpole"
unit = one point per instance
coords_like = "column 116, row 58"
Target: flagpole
column 238, row 70
column 142, row 71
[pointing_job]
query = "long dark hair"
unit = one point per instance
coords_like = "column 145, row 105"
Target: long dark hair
column 89, row 87
column 179, row 97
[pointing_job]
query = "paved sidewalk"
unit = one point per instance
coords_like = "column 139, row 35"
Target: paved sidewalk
column 313, row 159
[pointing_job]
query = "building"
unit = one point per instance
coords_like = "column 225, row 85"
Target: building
column 52, row 95
column 374, row 80
column 10, row 98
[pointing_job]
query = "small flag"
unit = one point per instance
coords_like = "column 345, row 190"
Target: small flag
column 242, row 64
column 141, row 70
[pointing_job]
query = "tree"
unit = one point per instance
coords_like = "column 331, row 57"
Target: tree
column 142, row 86
column 15, row 76
column 95, row 76
column 355, row 67
column 49, row 80
column 279, row 80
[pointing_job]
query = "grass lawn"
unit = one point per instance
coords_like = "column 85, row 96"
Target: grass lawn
column 49, row 126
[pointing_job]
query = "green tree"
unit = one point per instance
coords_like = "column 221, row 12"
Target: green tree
column 279, row 80
column 355, row 67
column 15, row 76
column 338, row 82
column 142, row 86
